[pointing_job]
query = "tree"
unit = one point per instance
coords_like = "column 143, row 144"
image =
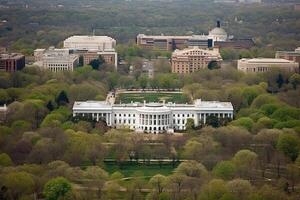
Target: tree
column 5, row 160
column 215, row 189
column 62, row 99
column 50, row 105
column 192, row 169
column 57, row 188
column 245, row 161
column 97, row 63
column 18, row 184
column 289, row 144
column 224, row 170
column 295, row 80
column 240, row 189
column 190, row 124
column 143, row 82
column 245, row 122
column 158, row 182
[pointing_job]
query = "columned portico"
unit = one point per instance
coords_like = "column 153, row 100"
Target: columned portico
column 153, row 117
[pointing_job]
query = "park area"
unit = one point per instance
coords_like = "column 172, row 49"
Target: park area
column 152, row 97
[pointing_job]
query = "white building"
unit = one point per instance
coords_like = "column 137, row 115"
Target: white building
column 90, row 43
column 55, row 59
column 91, row 46
column 153, row 117
column 218, row 34
column 267, row 64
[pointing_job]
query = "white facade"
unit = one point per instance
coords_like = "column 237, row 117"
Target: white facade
column 91, row 43
column 55, row 59
column 153, row 117
column 266, row 64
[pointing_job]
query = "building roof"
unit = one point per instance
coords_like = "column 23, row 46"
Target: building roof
column 91, row 105
column 266, row 60
column 87, row 38
column 214, row 52
column 11, row 56
column 154, row 106
column 218, row 31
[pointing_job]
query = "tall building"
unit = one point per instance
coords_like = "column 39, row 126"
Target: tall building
column 289, row 55
column 55, row 60
column 93, row 43
column 266, row 64
column 170, row 43
column 12, row 62
column 91, row 47
column 193, row 59
column 153, row 117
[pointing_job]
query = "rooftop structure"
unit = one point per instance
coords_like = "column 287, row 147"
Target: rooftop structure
column 193, row 59
column 153, row 117
column 218, row 34
column 266, row 64
column 83, row 42
column 11, row 62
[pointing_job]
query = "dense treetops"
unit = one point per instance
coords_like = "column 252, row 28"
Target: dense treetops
column 40, row 140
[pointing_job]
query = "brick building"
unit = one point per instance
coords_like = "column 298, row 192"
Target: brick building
column 12, row 62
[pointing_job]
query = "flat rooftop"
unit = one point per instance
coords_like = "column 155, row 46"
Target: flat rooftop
column 11, row 56
column 266, row 60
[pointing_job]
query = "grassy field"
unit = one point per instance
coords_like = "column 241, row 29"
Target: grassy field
column 129, row 169
column 152, row 97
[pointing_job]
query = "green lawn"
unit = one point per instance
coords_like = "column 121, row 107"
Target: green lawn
column 152, row 97
column 129, row 169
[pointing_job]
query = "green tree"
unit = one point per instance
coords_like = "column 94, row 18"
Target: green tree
column 18, row 184
column 62, row 99
column 158, row 182
column 57, row 188
column 245, row 162
column 224, row 170
column 5, row 160
column 289, row 145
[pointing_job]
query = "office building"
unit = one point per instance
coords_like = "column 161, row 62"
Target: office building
column 193, row 59
column 110, row 57
column 90, row 43
column 289, row 55
column 153, row 117
column 55, row 60
column 91, row 47
column 267, row 64
column 170, row 43
column 11, row 62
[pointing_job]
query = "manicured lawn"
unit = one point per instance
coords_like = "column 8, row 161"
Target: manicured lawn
column 129, row 169
column 152, row 97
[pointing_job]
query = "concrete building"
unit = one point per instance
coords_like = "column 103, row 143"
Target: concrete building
column 91, row 47
column 289, row 55
column 110, row 57
column 153, row 117
column 266, row 64
column 11, row 62
column 193, row 59
column 55, row 60
column 90, row 43
column 170, row 43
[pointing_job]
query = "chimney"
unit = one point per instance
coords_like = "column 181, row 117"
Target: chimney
column 218, row 24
